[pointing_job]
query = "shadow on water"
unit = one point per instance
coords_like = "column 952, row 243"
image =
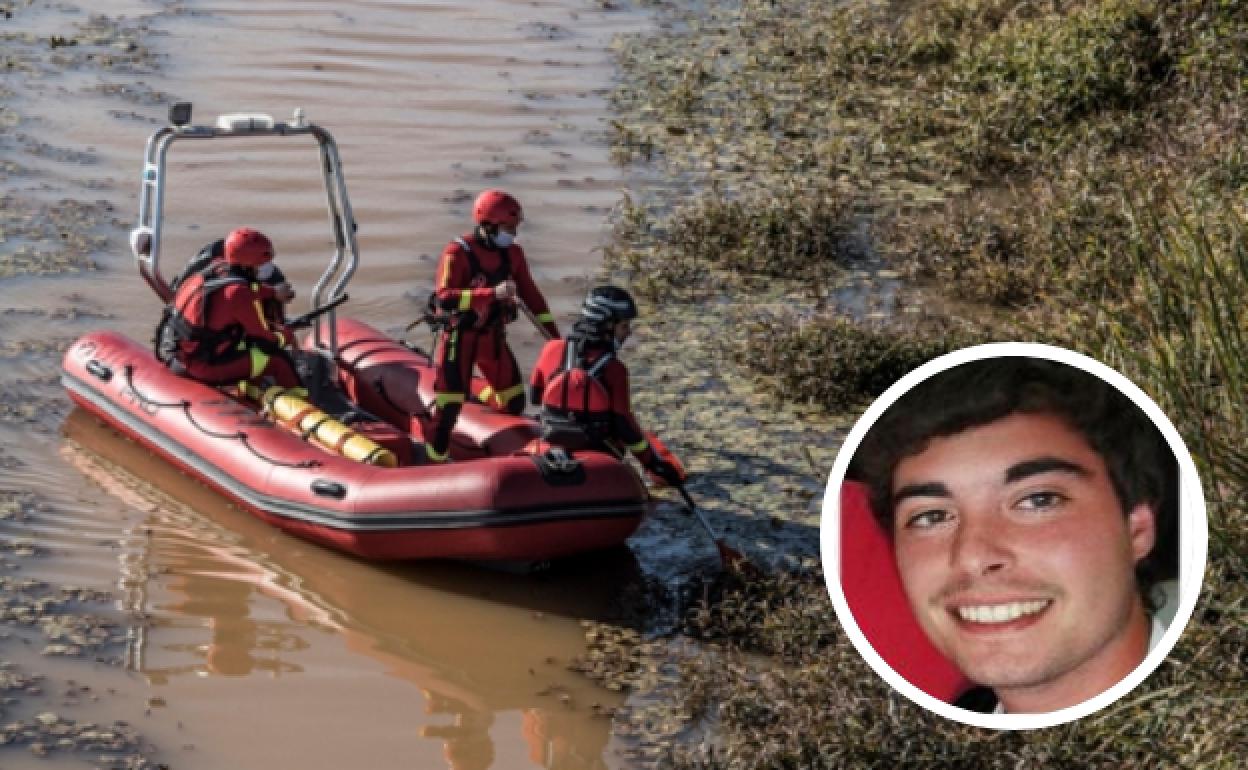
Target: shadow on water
column 225, row 595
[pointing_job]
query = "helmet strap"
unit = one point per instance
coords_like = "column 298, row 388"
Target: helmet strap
column 616, row 342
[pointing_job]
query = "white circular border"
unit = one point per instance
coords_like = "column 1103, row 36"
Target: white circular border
column 1193, row 535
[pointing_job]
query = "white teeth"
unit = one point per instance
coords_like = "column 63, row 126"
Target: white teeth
column 1001, row 613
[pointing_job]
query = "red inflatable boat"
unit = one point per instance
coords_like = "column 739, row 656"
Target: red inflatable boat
column 506, row 506
column 507, row 497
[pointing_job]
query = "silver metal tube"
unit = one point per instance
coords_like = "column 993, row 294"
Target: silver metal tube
column 146, row 237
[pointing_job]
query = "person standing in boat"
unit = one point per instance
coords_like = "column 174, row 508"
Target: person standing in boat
column 582, row 385
column 481, row 276
column 218, row 331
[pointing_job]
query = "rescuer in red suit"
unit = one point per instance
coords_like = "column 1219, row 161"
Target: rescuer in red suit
column 480, row 278
column 582, row 386
column 218, row 322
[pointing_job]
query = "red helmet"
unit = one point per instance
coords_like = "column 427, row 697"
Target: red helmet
column 247, row 247
column 496, row 207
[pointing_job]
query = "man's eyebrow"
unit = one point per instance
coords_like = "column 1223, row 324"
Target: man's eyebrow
column 1027, row 468
column 926, row 489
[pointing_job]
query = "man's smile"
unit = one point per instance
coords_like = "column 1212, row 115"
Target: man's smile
column 1000, row 615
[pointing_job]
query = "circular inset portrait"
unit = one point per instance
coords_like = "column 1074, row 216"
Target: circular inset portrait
column 1014, row 535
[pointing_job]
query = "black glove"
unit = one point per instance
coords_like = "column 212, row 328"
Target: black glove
column 667, row 472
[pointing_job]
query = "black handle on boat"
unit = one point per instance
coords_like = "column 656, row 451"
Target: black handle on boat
column 305, row 320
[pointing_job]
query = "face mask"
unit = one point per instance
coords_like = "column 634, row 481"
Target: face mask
column 504, row 239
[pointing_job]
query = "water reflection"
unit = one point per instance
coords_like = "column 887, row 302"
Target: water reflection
column 230, row 597
column 238, row 645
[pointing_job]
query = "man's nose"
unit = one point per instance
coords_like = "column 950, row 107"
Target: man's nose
column 981, row 545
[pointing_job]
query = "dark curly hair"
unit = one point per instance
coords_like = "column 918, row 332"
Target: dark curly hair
column 1141, row 465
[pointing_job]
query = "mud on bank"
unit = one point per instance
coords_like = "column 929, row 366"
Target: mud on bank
column 850, row 189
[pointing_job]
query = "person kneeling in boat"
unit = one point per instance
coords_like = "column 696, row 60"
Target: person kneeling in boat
column 582, row 386
column 480, row 278
column 218, row 328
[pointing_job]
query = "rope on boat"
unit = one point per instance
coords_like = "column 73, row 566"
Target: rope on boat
column 239, row 436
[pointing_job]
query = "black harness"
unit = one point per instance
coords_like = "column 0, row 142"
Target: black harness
column 567, row 425
column 444, row 316
column 212, row 346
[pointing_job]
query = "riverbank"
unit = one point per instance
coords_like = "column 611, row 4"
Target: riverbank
column 851, row 189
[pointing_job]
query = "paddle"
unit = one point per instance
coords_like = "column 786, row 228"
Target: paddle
column 541, row 329
column 728, row 556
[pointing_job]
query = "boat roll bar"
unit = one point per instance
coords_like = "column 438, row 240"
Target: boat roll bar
column 146, row 236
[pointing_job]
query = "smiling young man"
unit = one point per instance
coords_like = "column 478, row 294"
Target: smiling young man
column 1032, row 508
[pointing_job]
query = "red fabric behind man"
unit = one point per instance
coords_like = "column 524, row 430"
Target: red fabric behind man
column 873, row 591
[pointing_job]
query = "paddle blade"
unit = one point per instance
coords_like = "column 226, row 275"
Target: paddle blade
column 728, row 557
column 733, row 558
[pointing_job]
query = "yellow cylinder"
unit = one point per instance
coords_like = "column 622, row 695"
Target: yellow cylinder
column 298, row 414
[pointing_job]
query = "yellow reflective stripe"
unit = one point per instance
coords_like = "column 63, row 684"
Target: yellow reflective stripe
column 260, row 313
column 640, row 446
column 259, row 360
column 510, row 393
column 442, row 399
column 446, row 273
column 465, row 299
column 546, row 318
column 486, row 394
column 434, row 455
column 281, row 339
column 453, row 344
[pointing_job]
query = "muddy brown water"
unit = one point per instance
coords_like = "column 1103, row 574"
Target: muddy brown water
column 245, row 647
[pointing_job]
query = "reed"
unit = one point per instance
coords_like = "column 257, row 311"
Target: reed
column 1179, row 331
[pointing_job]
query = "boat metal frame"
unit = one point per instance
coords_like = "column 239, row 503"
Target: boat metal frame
column 145, row 237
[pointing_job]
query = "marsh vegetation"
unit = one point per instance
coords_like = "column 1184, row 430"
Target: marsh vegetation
column 1063, row 172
